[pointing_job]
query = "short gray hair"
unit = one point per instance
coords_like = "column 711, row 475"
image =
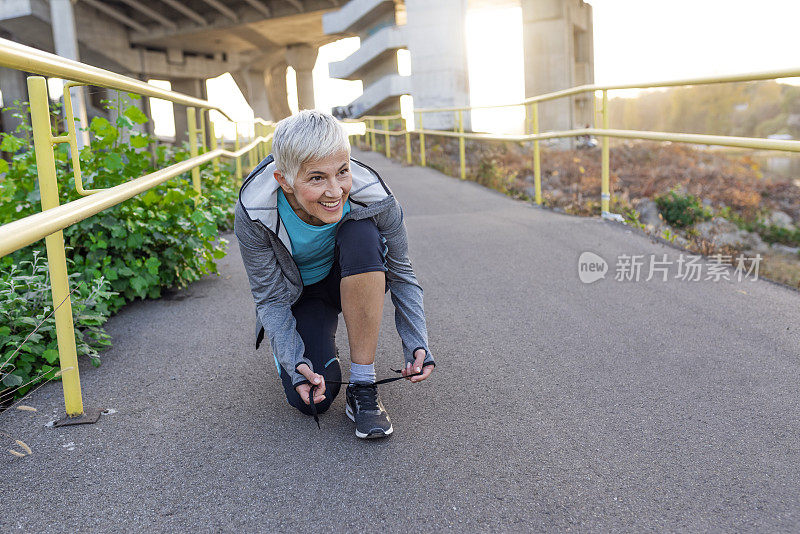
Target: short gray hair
column 307, row 136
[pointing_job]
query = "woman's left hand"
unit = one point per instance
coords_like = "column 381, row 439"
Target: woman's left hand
column 419, row 358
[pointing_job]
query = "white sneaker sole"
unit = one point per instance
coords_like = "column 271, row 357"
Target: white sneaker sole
column 361, row 435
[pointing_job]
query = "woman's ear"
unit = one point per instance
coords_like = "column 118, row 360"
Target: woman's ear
column 283, row 183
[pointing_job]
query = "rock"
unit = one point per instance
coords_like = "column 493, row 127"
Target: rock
column 740, row 239
column 715, row 227
column 780, row 219
column 648, row 213
column 681, row 241
column 753, row 242
column 783, row 249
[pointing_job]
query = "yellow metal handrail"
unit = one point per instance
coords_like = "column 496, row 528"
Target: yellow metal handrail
column 604, row 132
column 54, row 218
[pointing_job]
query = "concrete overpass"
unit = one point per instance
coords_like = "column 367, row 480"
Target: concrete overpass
column 189, row 41
column 183, row 41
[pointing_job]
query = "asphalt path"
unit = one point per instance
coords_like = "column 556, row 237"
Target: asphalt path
column 555, row 406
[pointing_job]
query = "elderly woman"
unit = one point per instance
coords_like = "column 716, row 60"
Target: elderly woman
column 319, row 234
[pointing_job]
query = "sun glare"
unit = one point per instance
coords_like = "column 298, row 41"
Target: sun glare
column 495, row 62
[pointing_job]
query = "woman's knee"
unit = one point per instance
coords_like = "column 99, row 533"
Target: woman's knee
column 332, row 373
column 360, row 247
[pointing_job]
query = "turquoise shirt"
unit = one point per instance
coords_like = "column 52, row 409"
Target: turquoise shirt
column 312, row 246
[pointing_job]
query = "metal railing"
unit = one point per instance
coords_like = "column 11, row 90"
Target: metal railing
column 54, row 217
column 604, row 132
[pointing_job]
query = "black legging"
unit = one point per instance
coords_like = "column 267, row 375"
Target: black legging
column 359, row 249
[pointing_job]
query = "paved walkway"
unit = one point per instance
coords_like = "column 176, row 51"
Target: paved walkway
column 556, row 405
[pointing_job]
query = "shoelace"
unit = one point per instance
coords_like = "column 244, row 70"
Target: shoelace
column 342, row 382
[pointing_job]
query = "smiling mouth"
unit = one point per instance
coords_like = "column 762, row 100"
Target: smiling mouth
column 331, row 205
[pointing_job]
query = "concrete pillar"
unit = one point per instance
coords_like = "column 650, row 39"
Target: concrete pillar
column 14, row 87
column 275, row 82
column 253, row 85
column 557, row 36
column 189, row 86
column 66, row 45
column 438, row 47
column 302, row 59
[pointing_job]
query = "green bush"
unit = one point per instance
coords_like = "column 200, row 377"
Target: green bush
column 156, row 240
column 682, row 210
column 25, row 302
column 778, row 234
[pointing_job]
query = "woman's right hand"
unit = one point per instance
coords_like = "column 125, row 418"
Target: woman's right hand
column 315, row 379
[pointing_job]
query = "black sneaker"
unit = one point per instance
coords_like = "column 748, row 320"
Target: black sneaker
column 365, row 409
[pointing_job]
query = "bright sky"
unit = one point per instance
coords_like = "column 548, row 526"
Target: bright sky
column 635, row 40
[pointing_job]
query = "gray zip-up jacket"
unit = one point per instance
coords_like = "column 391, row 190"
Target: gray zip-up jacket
column 275, row 278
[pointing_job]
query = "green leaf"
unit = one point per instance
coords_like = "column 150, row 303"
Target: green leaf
column 138, row 284
column 50, row 355
column 208, row 230
column 3, row 166
column 5, row 331
column 151, row 197
column 12, row 380
column 11, row 143
column 198, row 217
column 152, row 265
column 135, row 114
column 135, row 240
column 139, row 141
column 112, row 161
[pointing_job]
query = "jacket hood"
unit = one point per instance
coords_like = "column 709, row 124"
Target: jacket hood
column 259, row 193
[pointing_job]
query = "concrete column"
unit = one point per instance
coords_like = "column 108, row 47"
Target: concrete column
column 189, row 86
column 275, row 82
column 66, row 45
column 557, row 36
column 14, row 87
column 302, row 59
column 253, row 85
column 438, row 47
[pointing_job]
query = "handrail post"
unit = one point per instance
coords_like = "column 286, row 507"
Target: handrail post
column 408, row 141
column 421, row 142
column 191, row 122
column 202, row 113
column 386, row 138
column 262, row 146
column 605, row 195
column 56, row 256
column 528, row 117
column 461, row 147
column 238, row 158
column 537, row 160
column 212, row 133
column 374, row 140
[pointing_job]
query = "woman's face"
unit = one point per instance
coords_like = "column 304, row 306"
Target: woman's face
column 320, row 189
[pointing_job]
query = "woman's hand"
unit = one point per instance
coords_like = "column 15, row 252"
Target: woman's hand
column 315, row 379
column 419, row 357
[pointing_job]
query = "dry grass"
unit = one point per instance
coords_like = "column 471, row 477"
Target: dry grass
column 639, row 170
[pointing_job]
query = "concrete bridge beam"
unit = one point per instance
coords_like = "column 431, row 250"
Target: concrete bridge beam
column 275, row 82
column 14, row 87
column 253, row 85
column 437, row 44
column 66, row 45
column 302, row 59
